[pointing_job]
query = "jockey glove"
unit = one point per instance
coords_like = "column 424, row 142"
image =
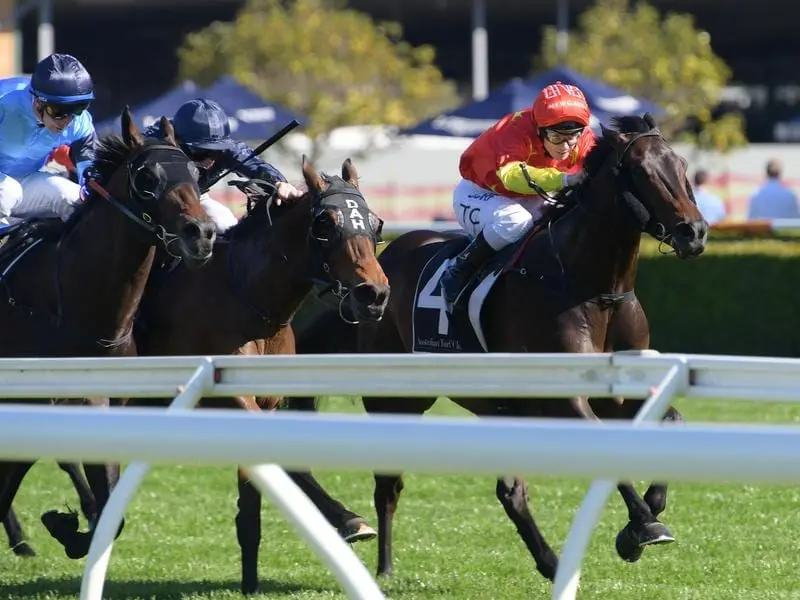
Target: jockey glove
column 573, row 179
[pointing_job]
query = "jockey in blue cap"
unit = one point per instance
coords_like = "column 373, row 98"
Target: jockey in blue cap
column 203, row 132
column 49, row 112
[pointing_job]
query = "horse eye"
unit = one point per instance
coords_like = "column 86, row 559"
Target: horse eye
column 322, row 226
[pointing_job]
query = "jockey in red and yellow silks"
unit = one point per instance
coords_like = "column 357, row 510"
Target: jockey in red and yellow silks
column 539, row 149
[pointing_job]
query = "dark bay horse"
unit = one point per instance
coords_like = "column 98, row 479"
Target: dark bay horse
column 568, row 287
column 73, row 290
column 242, row 302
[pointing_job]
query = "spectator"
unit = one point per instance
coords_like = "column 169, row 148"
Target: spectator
column 710, row 206
column 774, row 200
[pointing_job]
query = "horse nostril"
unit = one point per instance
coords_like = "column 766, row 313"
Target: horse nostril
column 192, row 230
column 365, row 294
column 686, row 230
column 382, row 297
column 210, row 231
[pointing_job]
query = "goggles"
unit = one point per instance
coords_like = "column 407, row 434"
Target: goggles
column 59, row 112
column 555, row 136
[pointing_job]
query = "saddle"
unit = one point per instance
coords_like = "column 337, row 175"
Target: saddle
column 17, row 239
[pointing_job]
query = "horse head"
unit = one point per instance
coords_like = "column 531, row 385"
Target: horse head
column 651, row 179
column 155, row 185
column 343, row 236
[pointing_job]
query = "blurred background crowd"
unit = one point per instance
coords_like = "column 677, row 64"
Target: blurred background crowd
column 403, row 86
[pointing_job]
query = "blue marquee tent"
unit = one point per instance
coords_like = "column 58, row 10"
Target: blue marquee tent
column 149, row 112
column 470, row 120
column 250, row 116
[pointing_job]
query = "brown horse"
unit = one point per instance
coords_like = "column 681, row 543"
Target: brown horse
column 73, row 290
column 261, row 271
column 568, row 287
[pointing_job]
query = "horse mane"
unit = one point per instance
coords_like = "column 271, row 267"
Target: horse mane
column 110, row 153
column 255, row 218
column 596, row 158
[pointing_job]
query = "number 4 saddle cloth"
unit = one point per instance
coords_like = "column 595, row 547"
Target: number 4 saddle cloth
column 435, row 330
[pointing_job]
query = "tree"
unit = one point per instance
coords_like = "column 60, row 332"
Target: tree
column 332, row 65
column 665, row 59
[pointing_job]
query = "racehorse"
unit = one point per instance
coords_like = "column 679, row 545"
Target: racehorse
column 567, row 287
column 73, row 289
column 243, row 300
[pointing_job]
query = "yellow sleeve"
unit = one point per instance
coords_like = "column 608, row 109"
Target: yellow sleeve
column 513, row 177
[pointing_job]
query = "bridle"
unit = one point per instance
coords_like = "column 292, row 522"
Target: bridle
column 175, row 169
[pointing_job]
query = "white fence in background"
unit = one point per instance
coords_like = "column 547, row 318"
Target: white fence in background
column 488, row 446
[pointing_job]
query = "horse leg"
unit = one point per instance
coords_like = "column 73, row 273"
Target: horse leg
column 386, row 496
column 16, row 537
column 85, row 496
column 351, row 527
column 11, row 476
column 512, row 492
column 388, row 486
column 248, row 532
column 656, row 499
column 64, row 526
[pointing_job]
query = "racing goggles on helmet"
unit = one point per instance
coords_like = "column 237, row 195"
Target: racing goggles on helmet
column 563, row 132
column 59, row 112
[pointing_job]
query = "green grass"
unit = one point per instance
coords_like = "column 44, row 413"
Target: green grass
column 452, row 539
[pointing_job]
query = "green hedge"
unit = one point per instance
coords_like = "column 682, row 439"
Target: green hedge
column 739, row 297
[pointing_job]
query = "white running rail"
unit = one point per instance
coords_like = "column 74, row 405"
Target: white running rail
column 490, row 446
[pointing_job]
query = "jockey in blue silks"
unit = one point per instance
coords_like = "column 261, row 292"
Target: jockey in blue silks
column 203, row 132
column 49, row 112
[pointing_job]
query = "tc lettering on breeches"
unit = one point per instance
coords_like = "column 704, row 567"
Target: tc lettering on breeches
column 502, row 219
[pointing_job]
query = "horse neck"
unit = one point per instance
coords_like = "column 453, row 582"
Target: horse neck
column 104, row 263
column 601, row 249
column 272, row 265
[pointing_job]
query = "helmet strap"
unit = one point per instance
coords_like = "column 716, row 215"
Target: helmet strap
column 38, row 110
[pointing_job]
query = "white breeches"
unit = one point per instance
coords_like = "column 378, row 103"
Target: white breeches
column 43, row 194
column 503, row 220
column 222, row 216
column 39, row 194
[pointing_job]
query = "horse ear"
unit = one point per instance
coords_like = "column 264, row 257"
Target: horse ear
column 168, row 131
column 349, row 173
column 313, row 180
column 130, row 133
column 648, row 118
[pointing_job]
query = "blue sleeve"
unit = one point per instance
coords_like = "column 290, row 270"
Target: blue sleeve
column 83, row 147
column 236, row 159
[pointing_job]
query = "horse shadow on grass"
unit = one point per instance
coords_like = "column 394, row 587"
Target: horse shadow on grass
column 151, row 590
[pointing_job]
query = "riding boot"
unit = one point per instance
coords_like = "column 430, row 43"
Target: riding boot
column 463, row 268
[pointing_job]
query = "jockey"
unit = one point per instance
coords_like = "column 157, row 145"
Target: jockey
column 539, row 149
column 50, row 111
column 203, row 133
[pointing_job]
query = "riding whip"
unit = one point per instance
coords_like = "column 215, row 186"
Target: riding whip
column 259, row 149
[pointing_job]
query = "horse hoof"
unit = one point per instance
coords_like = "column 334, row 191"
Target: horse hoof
column 64, row 528
column 628, row 546
column 357, row 530
column 60, row 524
column 250, row 591
column 24, row 550
column 655, row 533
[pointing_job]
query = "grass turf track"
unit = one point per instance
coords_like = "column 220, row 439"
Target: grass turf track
column 452, row 539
